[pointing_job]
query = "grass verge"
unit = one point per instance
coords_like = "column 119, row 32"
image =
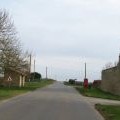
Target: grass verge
column 96, row 92
column 6, row 92
column 109, row 112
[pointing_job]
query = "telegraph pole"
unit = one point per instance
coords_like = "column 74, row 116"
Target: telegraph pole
column 34, row 65
column 34, row 69
column 85, row 71
column 85, row 79
column 30, row 63
column 30, row 66
column 46, row 73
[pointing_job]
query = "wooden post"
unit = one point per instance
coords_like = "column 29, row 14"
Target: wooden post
column 30, row 66
column 85, row 70
column 34, row 71
column 46, row 73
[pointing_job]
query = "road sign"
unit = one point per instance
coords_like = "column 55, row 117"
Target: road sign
column 9, row 79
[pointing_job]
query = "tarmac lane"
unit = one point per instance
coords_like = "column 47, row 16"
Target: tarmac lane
column 54, row 102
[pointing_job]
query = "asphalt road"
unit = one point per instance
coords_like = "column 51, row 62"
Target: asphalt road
column 55, row 102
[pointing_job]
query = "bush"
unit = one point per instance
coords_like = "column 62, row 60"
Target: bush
column 71, row 81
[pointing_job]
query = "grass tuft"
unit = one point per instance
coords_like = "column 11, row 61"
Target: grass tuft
column 109, row 112
column 96, row 92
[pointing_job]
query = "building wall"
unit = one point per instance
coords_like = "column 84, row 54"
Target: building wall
column 111, row 80
column 15, row 78
column 13, row 75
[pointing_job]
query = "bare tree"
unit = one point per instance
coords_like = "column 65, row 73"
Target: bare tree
column 8, row 42
column 11, row 54
column 115, row 63
column 108, row 65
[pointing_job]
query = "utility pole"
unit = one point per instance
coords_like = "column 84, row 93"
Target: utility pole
column 34, row 69
column 30, row 63
column 30, row 66
column 85, row 71
column 34, row 65
column 85, row 79
column 46, row 73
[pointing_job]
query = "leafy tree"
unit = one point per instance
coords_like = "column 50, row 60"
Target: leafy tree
column 35, row 76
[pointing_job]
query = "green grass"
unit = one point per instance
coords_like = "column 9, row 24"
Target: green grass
column 6, row 92
column 96, row 92
column 109, row 112
column 35, row 85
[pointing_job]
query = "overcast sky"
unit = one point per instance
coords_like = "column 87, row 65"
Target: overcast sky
column 64, row 34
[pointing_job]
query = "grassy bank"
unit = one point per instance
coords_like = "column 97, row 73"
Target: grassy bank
column 95, row 92
column 35, row 85
column 109, row 112
column 6, row 92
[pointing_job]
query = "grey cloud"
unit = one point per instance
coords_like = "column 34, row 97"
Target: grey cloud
column 80, row 28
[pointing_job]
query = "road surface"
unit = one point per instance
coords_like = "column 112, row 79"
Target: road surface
column 55, row 102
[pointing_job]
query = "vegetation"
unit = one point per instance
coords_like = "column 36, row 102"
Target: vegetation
column 67, row 83
column 35, row 85
column 6, row 92
column 11, row 51
column 110, row 112
column 77, row 83
column 96, row 92
column 35, row 76
column 93, row 91
column 72, row 81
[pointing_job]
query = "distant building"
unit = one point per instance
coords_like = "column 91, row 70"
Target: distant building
column 111, row 79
